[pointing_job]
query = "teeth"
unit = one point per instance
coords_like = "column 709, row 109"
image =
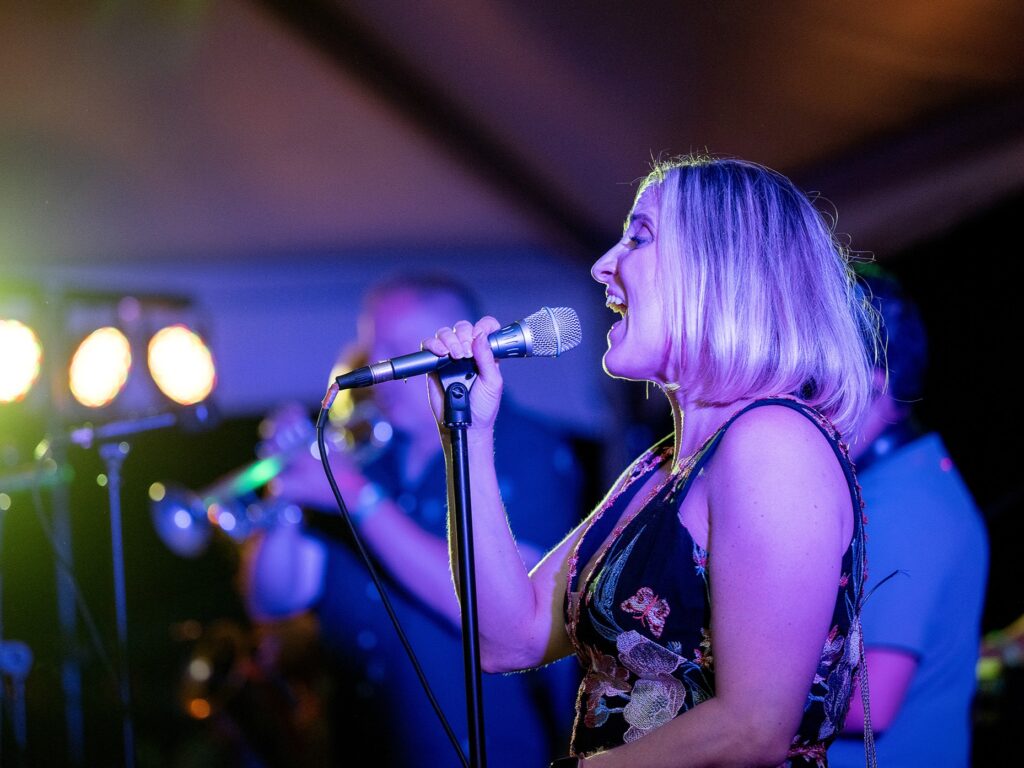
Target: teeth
column 615, row 304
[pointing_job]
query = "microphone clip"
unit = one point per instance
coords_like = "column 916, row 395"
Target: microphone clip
column 458, row 379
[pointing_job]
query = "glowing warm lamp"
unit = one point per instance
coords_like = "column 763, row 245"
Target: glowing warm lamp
column 199, row 709
column 99, row 368
column 181, row 365
column 21, row 355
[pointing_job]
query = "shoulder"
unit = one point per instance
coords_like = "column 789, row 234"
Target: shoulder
column 778, row 452
column 775, row 481
column 774, row 433
column 918, row 505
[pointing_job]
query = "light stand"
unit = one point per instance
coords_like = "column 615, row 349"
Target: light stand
column 113, row 455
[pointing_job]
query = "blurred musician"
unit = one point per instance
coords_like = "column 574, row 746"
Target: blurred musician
column 398, row 502
column 921, row 627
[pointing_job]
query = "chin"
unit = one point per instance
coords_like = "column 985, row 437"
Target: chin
column 626, row 367
column 620, row 369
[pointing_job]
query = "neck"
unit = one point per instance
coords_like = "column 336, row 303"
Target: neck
column 694, row 422
column 883, row 414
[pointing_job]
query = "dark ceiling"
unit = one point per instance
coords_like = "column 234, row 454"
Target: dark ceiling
column 226, row 129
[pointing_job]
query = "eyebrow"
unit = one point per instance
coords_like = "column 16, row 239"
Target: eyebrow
column 643, row 218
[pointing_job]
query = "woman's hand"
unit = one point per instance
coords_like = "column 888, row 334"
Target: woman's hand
column 461, row 341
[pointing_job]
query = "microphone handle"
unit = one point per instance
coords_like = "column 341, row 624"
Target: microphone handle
column 514, row 340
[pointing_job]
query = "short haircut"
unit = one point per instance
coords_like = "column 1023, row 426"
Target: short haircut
column 761, row 292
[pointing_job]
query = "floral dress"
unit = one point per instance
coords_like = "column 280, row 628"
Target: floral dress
column 640, row 624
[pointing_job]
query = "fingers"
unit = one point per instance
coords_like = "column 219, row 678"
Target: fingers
column 486, row 325
column 454, row 342
column 465, row 340
column 435, row 345
column 458, row 341
column 482, row 353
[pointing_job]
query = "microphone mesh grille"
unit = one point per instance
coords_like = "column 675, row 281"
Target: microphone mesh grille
column 555, row 330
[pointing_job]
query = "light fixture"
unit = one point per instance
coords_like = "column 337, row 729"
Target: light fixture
column 21, row 356
column 181, row 364
column 99, row 367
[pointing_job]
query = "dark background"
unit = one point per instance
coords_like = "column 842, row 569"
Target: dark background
column 962, row 280
column 256, row 164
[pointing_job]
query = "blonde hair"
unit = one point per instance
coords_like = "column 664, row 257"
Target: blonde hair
column 762, row 292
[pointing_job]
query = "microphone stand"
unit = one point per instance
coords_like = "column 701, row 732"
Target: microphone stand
column 113, row 455
column 457, row 380
column 113, row 447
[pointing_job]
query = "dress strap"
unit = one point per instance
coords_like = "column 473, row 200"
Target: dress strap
column 823, row 424
column 606, row 516
column 838, row 447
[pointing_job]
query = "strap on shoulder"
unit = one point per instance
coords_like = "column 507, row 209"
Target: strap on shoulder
column 822, row 423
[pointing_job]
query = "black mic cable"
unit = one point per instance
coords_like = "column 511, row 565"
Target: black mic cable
column 321, row 424
column 546, row 333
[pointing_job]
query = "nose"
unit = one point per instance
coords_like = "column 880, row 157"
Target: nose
column 604, row 268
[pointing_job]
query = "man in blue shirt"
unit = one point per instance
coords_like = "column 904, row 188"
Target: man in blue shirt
column 922, row 626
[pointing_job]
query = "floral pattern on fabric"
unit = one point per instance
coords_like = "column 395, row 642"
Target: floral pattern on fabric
column 637, row 611
column 649, row 609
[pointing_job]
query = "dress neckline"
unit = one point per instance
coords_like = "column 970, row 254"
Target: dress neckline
column 650, row 461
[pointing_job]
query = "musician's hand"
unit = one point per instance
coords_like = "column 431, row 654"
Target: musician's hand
column 285, row 429
column 467, row 340
column 304, row 482
column 288, row 433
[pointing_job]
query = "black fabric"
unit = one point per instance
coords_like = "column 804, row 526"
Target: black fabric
column 641, row 622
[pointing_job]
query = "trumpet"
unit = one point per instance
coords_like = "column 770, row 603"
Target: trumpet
column 186, row 520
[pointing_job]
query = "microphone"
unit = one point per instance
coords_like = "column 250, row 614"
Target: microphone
column 548, row 332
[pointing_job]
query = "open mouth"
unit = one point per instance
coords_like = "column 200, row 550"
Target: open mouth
column 615, row 304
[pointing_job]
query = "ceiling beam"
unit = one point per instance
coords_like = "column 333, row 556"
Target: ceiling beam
column 359, row 52
column 909, row 186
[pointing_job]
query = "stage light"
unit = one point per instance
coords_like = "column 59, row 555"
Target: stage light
column 99, row 368
column 199, row 669
column 199, row 709
column 181, row 365
column 21, row 356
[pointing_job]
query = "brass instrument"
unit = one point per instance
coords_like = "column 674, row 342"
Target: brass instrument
column 186, row 520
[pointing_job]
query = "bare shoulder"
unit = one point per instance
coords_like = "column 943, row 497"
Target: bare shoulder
column 775, row 463
column 773, row 435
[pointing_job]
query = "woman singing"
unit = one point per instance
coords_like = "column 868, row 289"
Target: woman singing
column 712, row 598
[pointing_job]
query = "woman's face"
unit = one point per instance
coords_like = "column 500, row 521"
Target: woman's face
column 638, row 344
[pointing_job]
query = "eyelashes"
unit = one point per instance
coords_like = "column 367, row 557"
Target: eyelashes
column 640, row 238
